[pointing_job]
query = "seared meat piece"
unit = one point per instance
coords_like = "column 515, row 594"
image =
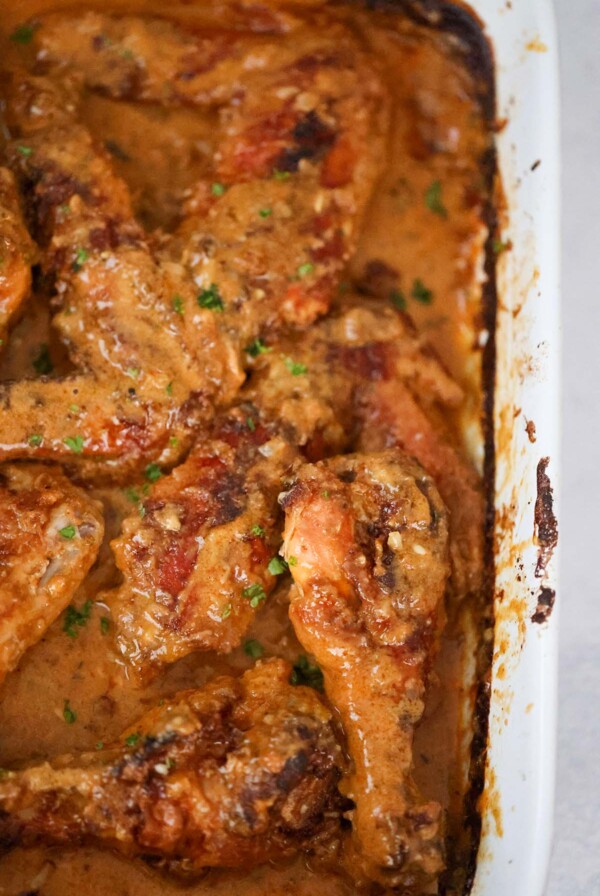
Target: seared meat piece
column 366, row 540
column 302, row 126
column 238, row 773
column 195, row 558
column 17, row 254
column 362, row 377
column 50, row 534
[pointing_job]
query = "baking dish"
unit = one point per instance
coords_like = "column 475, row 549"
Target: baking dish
column 517, row 794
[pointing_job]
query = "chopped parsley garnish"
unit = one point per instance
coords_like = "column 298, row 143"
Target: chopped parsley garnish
column 75, row 443
column 433, row 199
column 255, row 594
column 81, row 256
column 35, row 440
column 25, row 151
column 132, row 739
column 74, row 408
column 75, row 618
column 500, row 246
column 104, row 624
column 68, row 532
column 217, row 189
column 305, row 269
column 211, row 298
column 177, row 304
column 277, row 566
column 43, row 363
column 69, row 715
column 293, row 561
column 295, row 367
column 258, row 531
column 173, row 441
column 420, row 293
column 281, row 175
column 169, row 388
column 325, row 494
column 23, row 34
column 306, row 673
column 257, row 348
column 226, row 613
column 254, row 649
column 265, row 212
column 100, row 745
column 133, row 372
column 398, row 299
column 132, row 495
column 153, row 472
column 251, row 424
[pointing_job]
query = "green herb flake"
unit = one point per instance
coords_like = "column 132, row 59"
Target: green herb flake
column 100, row 745
column 433, row 199
column 499, row 246
column 74, row 443
column 75, row 619
column 277, row 566
column 305, row 269
column 133, row 372
column 69, row 715
column 177, row 303
column 35, row 440
column 153, row 472
column 257, row 348
column 68, row 532
column 265, row 212
column 254, row 649
column 217, row 189
column 257, row 531
column 23, row 34
column 325, row 494
column 306, row 673
column 81, row 256
column 293, row 561
column 104, row 624
column 132, row 739
column 420, row 293
column 295, row 367
column 281, row 175
column 74, row 408
column 173, row 441
column 398, row 299
column 169, row 388
column 251, row 424
column 255, row 594
column 25, row 151
column 211, row 298
column 42, row 364
column 226, row 612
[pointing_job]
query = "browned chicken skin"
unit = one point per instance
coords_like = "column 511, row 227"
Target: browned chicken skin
column 50, row 534
column 17, row 254
column 238, row 773
column 366, row 541
column 195, row 555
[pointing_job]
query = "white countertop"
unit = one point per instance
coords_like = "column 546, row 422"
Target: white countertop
column 575, row 867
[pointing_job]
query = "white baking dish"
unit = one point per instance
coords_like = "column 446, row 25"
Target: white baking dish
column 517, row 803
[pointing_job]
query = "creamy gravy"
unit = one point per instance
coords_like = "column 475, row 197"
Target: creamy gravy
column 422, row 245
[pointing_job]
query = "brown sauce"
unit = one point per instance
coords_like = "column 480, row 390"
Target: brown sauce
column 422, row 245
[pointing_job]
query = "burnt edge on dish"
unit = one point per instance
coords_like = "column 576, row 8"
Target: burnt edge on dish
column 545, row 533
column 476, row 53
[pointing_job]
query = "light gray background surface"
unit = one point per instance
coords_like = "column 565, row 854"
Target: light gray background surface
column 575, row 867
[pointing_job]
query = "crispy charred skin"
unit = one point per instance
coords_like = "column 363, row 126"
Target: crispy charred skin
column 363, row 378
column 195, row 564
column 368, row 534
column 50, row 534
column 241, row 772
column 136, row 353
column 302, row 125
column 17, row 254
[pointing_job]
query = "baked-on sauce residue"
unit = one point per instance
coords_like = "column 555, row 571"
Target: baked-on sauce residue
column 300, row 203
